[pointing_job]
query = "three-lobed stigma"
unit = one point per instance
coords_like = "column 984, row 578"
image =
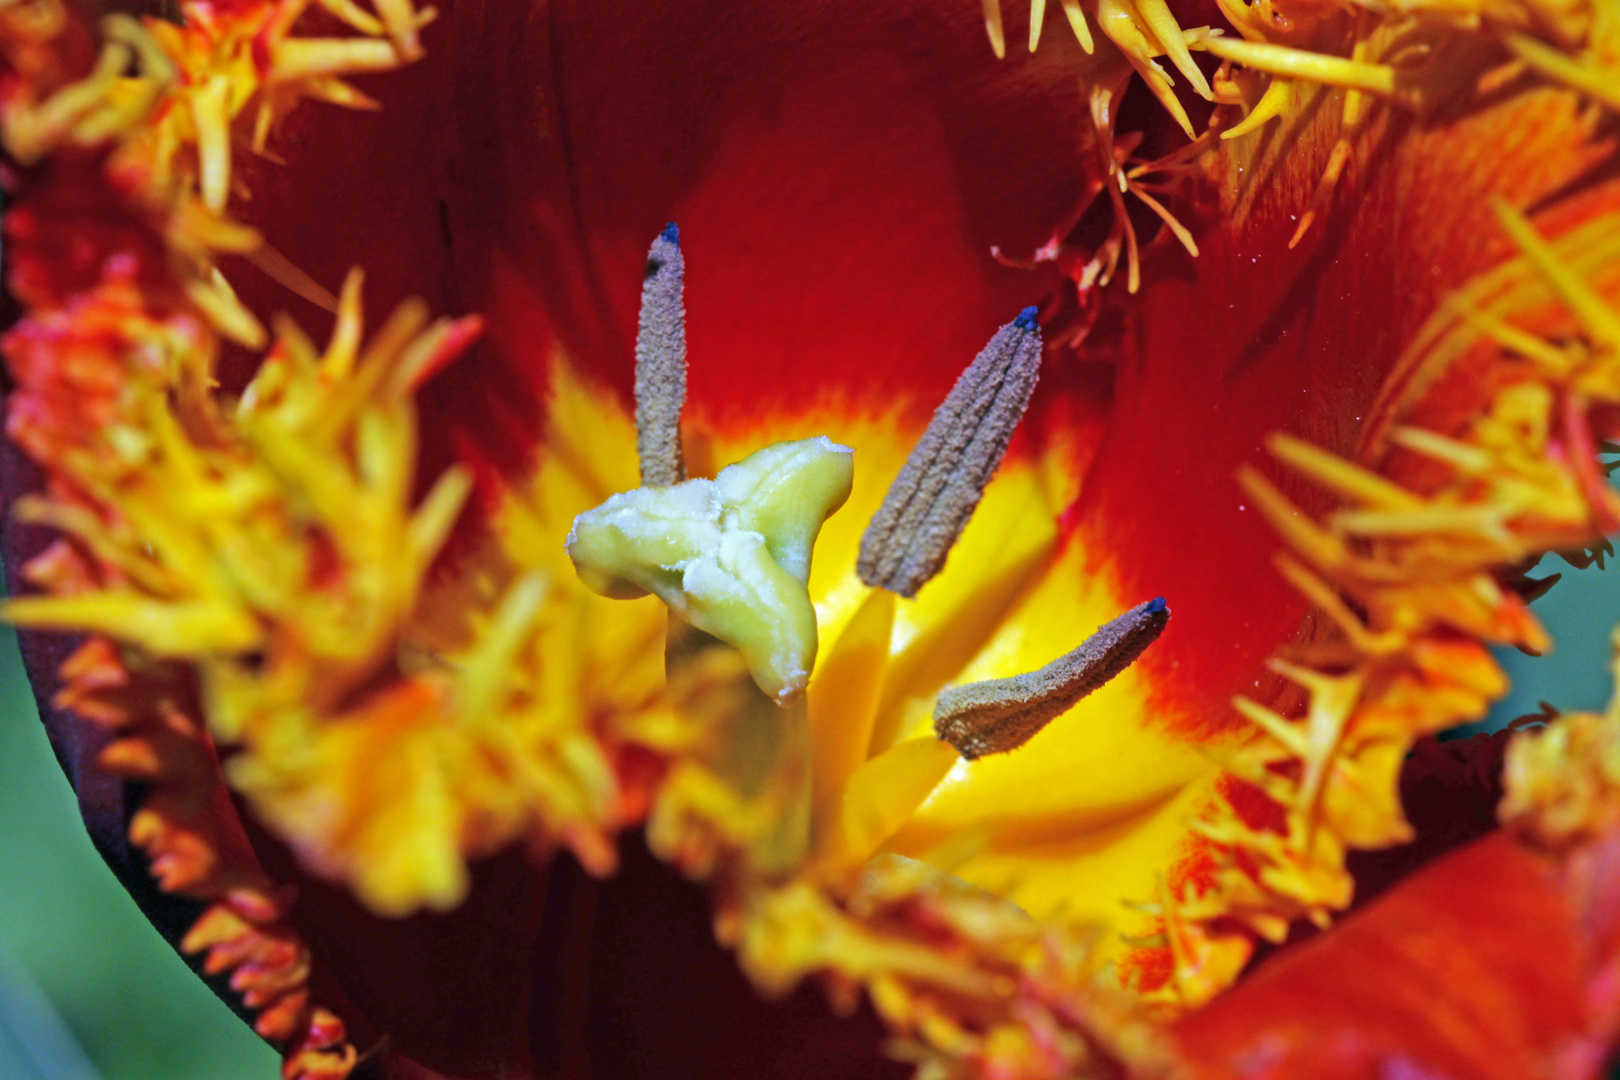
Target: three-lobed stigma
column 730, row 555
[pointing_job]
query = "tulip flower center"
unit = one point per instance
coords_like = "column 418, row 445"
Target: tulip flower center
column 731, row 557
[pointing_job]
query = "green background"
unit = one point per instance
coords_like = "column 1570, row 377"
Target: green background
column 88, row 991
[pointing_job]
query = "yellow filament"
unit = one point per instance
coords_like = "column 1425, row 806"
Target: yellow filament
column 1297, row 530
column 1077, row 22
column 400, row 20
column 1601, row 321
column 1160, row 20
column 338, row 92
column 1121, row 23
column 1553, row 361
column 306, row 58
column 290, row 276
column 1169, row 219
column 1459, row 455
column 1037, row 16
column 1272, row 724
column 1338, row 475
column 992, row 27
column 1443, row 520
column 217, row 300
column 1303, row 64
column 485, row 664
column 844, row 692
column 210, row 111
column 1333, row 699
column 878, row 798
column 355, row 16
column 1274, row 102
column 345, row 344
column 1601, row 85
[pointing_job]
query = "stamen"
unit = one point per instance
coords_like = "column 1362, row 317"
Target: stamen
column 999, row 715
column 940, row 484
column 661, row 363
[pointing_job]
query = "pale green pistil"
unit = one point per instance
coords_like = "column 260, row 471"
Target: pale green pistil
column 730, row 555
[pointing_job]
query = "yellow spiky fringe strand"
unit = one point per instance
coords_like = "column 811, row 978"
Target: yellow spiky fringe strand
column 156, row 115
column 1409, row 578
column 1416, row 56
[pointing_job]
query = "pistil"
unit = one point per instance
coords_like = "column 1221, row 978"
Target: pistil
column 730, row 556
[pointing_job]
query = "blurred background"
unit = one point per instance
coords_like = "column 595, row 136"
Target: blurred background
column 88, row 991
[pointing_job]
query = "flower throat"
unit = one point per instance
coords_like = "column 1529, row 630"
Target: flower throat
column 731, row 556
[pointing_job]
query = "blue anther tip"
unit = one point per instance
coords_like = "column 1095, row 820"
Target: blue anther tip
column 1026, row 319
column 1156, row 605
column 672, row 233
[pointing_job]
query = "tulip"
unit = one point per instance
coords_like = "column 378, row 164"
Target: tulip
column 427, row 575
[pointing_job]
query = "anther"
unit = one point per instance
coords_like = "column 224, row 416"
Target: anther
column 661, row 363
column 929, row 503
column 999, row 715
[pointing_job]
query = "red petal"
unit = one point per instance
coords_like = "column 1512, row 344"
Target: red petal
column 1485, row 966
column 839, row 171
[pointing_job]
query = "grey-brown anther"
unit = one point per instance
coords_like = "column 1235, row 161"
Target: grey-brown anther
column 999, row 715
column 661, row 363
column 930, row 502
